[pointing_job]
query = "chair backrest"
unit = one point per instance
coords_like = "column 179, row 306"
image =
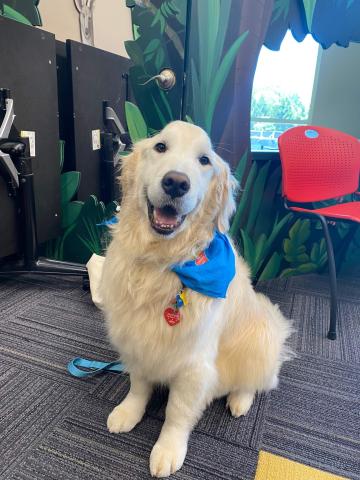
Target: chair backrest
column 318, row 163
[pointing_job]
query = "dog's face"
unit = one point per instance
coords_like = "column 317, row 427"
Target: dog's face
column 176, row 170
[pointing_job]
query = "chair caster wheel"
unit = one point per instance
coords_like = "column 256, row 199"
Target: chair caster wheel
column 86, row 284
column 331, row 335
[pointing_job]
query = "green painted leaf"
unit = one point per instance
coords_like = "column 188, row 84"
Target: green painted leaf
column 173, row 7
column 291, row 247
column 300, row 231
column 221, row 76
column 162, row 24
column 210, row 21
column 300, row 270
column 265, row 218
column 14, row 15
column 271, row 240
column 165, row 9
column 314, row 255
column 248, row 250
column 70, row 213
column 278, row 227
column 297, row 258
column 69, row 184
column 154, row 44
column 159, row 59
column 294, row 246
column 134, row 52
column 189, row 119
column 257, row 195
column 240, row 169
column 272, row 267
column 166, row 105
column 211, row 24
column 287, row 272
column 159, row 113
column 281, row 8
column 307, row 267
column 87, row 230
column 222, row 29
column 287, row 246
column 259, row 250
column 182, row 7
column 309, row 6
column 318, row 253
column 197, row 107
column 135, row 122
column 236, row 223
column 157, row 18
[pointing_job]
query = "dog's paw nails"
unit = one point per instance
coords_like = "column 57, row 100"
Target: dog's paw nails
column 122, row 420
column 166, row 460
column 239, row 404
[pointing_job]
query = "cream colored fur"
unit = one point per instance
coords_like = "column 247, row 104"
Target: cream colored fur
column 232, row 347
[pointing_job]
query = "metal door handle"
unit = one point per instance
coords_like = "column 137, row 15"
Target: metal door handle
column 166, row 79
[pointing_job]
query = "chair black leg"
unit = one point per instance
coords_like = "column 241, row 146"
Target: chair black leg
column 332, row 274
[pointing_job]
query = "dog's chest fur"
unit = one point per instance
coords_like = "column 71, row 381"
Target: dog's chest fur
column 135, row 298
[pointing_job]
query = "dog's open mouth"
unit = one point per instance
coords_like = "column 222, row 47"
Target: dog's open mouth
column 164, row 220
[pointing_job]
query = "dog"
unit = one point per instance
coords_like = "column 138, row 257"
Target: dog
column 177, row 195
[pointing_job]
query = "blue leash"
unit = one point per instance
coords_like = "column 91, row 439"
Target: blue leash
column 89, row 368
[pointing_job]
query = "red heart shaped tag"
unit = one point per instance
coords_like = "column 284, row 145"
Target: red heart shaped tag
column 172, row 316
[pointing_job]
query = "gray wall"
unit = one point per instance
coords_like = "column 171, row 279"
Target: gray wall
column 336, row 97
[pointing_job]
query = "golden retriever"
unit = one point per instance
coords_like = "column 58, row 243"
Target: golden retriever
column 176, row 193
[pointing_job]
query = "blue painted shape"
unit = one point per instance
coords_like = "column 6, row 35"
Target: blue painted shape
column 311, row 133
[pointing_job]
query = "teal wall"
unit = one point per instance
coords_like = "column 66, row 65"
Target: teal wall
column 337, row 92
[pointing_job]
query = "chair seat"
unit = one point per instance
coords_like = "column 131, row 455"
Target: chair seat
column 343, row 211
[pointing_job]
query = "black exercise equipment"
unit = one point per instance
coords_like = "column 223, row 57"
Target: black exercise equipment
column 16, row 166
column 93, row 87
column 28, row 69
column 114, row 140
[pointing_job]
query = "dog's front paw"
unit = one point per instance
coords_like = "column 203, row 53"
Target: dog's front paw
column 239, row 403
column 165, row 460
column 122, row 419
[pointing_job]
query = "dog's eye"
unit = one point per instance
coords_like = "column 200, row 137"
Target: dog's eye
column 204, row 160
column 160, row 147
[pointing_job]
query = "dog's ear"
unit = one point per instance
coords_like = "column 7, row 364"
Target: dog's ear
column 128, row 167
column 225, row 191
column 127, row 173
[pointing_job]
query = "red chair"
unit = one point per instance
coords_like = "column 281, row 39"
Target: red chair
column 318, row 164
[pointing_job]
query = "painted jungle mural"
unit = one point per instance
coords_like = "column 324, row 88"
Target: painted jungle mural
column 213, row 47
column 222, row 54
column 83, row 224
column 24, row 11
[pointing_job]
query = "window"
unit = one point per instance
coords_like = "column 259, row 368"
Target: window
column 282, row 90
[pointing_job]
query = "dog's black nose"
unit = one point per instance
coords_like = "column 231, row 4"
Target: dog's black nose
column 175, row 184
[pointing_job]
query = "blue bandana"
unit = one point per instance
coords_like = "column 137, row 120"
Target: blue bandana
column 212, row 271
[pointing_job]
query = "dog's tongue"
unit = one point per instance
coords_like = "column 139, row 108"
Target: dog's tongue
column 163, row 217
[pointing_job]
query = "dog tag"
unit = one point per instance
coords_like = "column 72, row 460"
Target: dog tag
column 172, row 316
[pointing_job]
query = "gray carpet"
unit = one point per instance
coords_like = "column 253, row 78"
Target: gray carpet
column 53, row 426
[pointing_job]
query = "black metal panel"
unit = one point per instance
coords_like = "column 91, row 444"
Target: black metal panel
column 28, row 69
column 65, row 102
column 96, row 76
